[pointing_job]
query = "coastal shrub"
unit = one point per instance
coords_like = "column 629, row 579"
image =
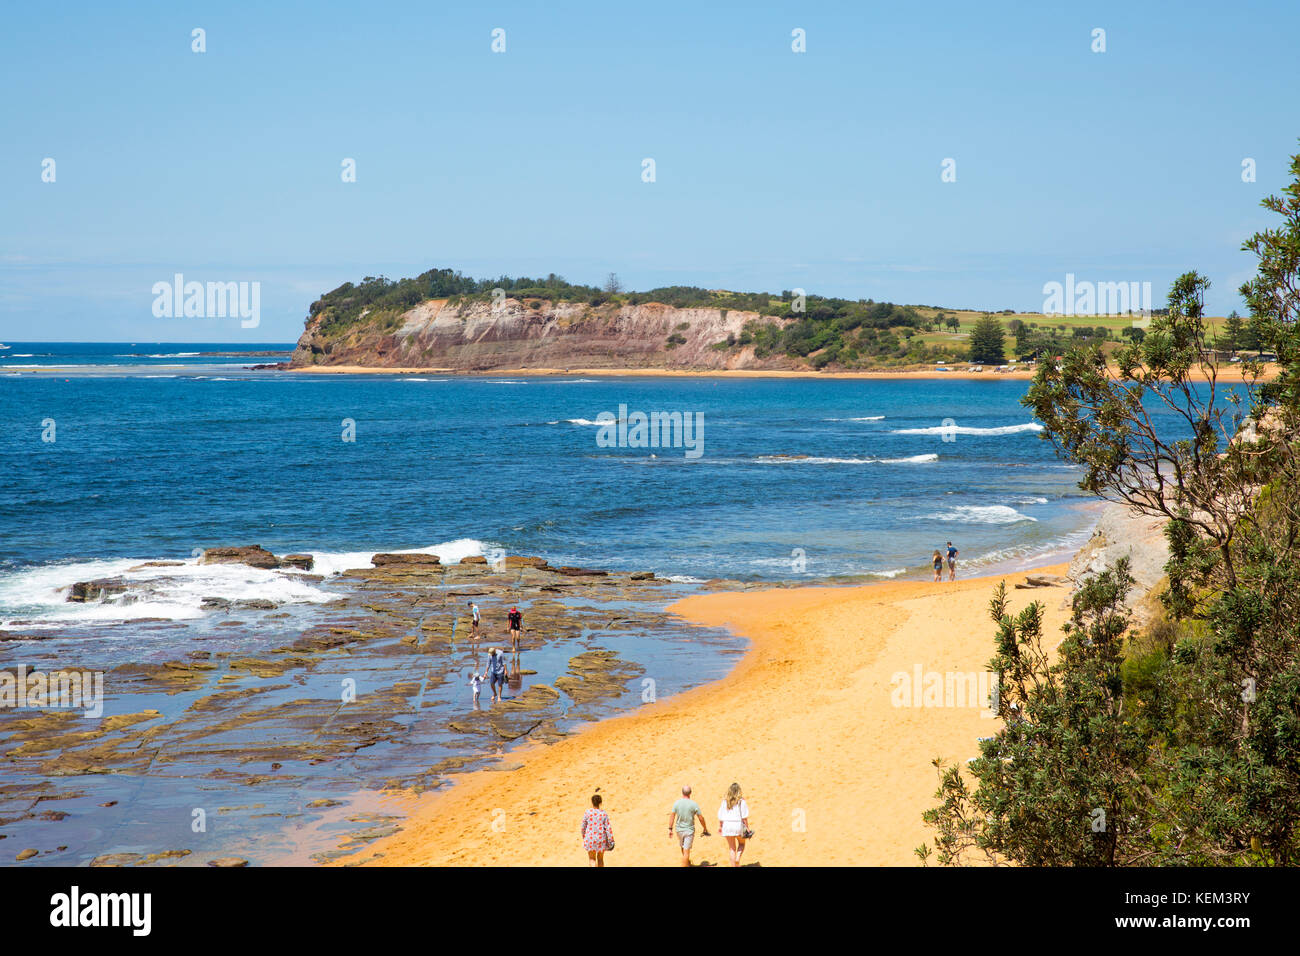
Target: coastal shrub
column 1061, row 784
column 1189, row 743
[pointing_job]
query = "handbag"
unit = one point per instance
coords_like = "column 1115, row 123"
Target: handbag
column 746, row 833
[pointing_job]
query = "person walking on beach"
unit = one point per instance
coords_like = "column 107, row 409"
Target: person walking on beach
column 733, row 821
column 952, row 562
column 938, row 566
column 473, row 632
column 681, row 823
column 597, row 834
column 496, row 666
column 514, row 625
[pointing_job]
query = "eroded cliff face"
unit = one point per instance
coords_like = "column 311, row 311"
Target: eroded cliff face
column 535, row 333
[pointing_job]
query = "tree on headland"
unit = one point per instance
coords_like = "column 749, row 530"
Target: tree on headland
column 1177, row 743
column 987, row 342
column 612, row 285
column 1233, row 333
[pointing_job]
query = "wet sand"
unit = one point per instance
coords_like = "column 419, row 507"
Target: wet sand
column 834, row 772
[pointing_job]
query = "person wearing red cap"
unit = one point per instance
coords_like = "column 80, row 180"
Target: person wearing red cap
column 516, row 625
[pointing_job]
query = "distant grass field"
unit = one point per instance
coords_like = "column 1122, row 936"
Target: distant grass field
column 967, row 320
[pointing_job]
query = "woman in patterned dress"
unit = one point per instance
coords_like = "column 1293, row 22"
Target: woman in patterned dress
column 597, row 834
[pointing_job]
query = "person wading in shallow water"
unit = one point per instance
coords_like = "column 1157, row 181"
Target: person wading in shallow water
column 952, row 562
column 514, row 626
column 938, row 565
column 496, row 666
column 473, row 611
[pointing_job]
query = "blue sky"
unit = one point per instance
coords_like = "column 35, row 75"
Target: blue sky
column 774, row 170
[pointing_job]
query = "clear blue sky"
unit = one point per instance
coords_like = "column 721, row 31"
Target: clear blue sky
column 775, row 170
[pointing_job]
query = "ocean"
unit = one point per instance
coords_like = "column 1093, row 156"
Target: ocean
column 158, row 451
column 117, row 455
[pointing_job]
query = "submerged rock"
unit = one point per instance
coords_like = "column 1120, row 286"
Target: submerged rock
column 597, row 674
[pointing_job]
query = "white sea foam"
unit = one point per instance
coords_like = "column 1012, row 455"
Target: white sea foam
column 863, row 418
column 448, row 552
column 980, row 514
column 157, row 355
column 909, row 460
column 820, row 460
column 39, row 595
column 175, row 593
column 969, row 430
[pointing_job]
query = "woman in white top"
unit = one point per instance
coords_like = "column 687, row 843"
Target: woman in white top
column 733, row 822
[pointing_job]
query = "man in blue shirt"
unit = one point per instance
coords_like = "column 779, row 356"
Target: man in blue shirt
column 952, row 562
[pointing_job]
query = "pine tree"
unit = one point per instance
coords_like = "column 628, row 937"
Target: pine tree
column 1233, row 333
column 986, row 342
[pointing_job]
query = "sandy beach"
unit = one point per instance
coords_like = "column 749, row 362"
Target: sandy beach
column 1227, row 373
column 834, row 772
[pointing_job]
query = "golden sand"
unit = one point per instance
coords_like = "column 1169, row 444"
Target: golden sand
column 834, row 772
column 1227, row 373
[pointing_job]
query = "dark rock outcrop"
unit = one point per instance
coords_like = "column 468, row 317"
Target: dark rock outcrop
column 96, row 590
column 253, row 555
column 386, row 559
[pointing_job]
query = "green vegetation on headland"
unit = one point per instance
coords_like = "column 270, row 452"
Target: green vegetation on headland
column 1176, row 743
column 817, row 331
